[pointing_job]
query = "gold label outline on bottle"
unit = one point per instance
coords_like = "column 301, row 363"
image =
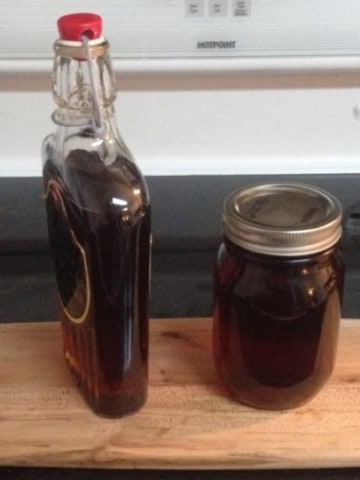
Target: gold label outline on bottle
column 53, row 189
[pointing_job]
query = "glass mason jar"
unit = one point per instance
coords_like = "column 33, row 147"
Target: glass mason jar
column 278, row 292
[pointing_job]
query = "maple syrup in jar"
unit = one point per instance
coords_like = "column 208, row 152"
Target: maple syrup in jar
column 278, row 292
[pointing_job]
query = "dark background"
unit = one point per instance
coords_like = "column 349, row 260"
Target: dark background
column 186, row 224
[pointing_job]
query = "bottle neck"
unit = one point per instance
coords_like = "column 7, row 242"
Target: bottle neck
column 83, row 84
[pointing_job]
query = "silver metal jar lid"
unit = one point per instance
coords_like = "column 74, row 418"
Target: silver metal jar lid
column 289, row 219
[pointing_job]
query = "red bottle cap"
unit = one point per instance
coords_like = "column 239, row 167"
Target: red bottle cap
column 76, row 25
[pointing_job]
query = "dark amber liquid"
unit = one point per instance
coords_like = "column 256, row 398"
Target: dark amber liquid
column 101, row 252
column 276, row 325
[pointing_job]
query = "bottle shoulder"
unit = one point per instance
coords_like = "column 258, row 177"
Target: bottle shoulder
column 94, row 185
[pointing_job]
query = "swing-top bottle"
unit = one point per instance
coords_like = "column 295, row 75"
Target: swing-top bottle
column 98, row 215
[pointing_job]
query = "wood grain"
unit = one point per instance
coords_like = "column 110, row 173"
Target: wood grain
column 188, row 421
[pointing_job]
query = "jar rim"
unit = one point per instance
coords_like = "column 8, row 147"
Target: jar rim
column 282, row 219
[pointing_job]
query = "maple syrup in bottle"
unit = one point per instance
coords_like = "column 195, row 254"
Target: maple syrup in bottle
column 278, row 293
column 98, row 215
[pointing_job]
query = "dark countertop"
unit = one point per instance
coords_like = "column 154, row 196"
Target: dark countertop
column 186, row 228
column 84, row 474
column 181, row 286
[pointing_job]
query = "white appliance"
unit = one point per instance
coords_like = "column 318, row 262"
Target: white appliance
column 205, row 86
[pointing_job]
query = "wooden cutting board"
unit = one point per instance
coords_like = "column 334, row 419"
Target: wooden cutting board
column 188, row 421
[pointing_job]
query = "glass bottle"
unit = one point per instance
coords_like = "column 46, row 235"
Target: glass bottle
column 278, row 291
column 98, row 216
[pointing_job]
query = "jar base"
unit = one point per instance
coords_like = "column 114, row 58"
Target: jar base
column 275, row 398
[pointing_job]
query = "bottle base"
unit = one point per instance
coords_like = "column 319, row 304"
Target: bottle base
column 113, row 406
column 116, row 405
